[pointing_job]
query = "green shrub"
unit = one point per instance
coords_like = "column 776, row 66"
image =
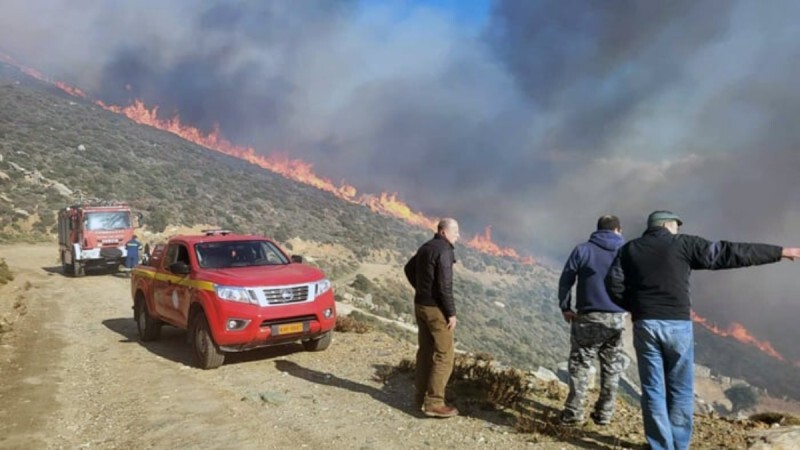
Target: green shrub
column 363, row 284
column 742, row 397
column 5, row 272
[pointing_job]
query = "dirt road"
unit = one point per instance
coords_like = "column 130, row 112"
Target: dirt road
column 74, row 375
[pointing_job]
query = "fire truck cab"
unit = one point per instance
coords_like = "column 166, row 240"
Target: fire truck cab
column 93, row 236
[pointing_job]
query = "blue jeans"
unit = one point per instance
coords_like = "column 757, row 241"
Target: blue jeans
column 665, row 354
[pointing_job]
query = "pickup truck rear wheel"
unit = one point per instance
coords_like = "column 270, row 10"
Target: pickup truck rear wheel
column 207, row 354
column 319, row 344
column 148, row 327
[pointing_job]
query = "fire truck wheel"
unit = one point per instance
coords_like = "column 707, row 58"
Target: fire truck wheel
column 206, row 353
column 78, row 269
column 149, row 328
column 319, row 344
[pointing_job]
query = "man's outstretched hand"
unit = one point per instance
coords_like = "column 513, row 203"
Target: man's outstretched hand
column 790, row 253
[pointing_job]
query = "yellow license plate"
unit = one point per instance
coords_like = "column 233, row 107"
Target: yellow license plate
column 289, row 328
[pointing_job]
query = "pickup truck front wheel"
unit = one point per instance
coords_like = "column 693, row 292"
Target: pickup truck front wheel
column 207, row 354
column 319, row 344
column 148, row 327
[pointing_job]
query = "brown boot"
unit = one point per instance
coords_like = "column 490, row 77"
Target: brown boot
column 443, row 411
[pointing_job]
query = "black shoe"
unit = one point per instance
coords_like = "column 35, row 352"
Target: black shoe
column 570, row 421
column 600, row 420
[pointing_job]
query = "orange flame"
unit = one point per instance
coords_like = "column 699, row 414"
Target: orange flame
column 301, row 171
column 293, row 169
column 740, row 333
column 389, row 204
column 483, row 242
column 70, row 90
column 26, row 70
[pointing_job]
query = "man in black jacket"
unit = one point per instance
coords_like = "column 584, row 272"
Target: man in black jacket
column 430, row 272
column 650, row 278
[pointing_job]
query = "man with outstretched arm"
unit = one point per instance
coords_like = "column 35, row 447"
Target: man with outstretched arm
column 650, row 278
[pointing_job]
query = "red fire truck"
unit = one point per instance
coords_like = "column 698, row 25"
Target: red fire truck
column 93, row 235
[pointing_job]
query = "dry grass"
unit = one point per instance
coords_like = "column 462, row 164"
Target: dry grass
column 347, row 324
column 5, row 273
column 384, row 373
column 503, row 385
column 483, row 378
column 775, row 418
column 406, row 365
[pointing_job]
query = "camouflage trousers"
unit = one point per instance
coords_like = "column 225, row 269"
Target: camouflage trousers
column 594, row 334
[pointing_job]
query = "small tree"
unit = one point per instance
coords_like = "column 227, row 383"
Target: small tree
column 742, row 397
column 363, row 284
column 5, row 272
column 157, row 221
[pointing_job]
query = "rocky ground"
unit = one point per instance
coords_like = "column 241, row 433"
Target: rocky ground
column 76, row 376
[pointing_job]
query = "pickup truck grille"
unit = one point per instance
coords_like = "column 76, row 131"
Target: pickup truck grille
column 286, row 294
column 271, row 322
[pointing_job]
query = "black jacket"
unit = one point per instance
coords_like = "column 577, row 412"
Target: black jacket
column 650, row 275
column 430, row 272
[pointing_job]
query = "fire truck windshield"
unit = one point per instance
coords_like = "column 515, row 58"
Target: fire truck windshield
column 99, row 221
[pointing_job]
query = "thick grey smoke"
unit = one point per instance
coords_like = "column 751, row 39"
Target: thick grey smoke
column 544, row 117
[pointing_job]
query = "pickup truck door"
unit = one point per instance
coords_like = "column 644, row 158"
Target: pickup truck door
column 171, row 290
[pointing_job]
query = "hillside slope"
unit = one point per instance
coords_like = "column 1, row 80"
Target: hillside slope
column 56, row 149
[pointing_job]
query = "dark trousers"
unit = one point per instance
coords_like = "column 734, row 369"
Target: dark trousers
column 435, row 356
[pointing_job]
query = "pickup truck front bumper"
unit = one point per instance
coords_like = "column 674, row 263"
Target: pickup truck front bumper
column 240, row 327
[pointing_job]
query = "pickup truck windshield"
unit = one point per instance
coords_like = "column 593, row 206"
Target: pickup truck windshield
column 220, row 255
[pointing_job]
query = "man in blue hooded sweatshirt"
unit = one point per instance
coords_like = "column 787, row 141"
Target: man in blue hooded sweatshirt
column 596, row 327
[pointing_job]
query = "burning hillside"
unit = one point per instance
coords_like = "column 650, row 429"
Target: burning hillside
column 484, row 243
column 739, row 332
column 383, row 203
column 293, row 169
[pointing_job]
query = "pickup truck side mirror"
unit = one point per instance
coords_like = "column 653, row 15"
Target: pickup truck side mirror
column 180, row 268
column 297, row 259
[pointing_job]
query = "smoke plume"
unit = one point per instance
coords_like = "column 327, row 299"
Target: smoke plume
column 534, row 117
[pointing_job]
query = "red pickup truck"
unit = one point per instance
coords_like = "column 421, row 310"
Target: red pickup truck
column 232, row 293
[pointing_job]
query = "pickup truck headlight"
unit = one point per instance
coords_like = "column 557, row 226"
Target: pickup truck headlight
column 235, row 294
column 321, row 287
